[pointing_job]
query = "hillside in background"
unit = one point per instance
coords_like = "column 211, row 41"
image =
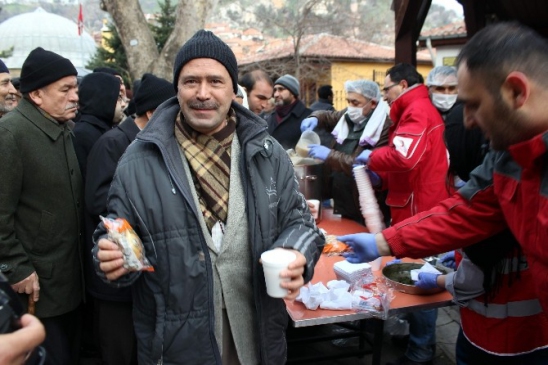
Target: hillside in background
column 371, row 20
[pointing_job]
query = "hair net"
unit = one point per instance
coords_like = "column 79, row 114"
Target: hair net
column 367, row 88
column 442, row 75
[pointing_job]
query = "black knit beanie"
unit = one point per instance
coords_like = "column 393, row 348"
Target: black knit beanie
column 205, row 44
column 42, row 68
column 3, row 68
column 152, row 92
column 107, row 70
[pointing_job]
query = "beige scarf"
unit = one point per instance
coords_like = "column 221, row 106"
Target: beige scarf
column 209, row 161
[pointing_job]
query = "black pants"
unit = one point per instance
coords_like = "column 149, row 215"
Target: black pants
column 114, row 332
column 63, row 336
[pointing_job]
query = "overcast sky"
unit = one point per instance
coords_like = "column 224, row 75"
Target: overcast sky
column 450, row 4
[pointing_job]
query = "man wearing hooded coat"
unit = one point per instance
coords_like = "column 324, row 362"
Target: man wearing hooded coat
column 101, row 106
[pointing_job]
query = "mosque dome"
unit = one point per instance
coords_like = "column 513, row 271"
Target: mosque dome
column 25, row 32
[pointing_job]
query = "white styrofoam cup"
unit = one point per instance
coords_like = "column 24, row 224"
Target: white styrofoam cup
column 274, row 261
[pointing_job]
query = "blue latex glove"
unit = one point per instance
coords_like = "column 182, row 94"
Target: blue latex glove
column 448, row 260
column 427, row 280
column 375, row 179
column 363, row 245
column 309, row 124
column 318, row 151
column 395, row 261
column 363, row 158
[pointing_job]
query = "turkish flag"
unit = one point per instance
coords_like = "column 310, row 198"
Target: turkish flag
column 80, row 21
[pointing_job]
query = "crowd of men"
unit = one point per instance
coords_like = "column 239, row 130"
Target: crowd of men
column 198, row 167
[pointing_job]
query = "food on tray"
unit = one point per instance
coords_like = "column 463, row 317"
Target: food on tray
column 398, row 276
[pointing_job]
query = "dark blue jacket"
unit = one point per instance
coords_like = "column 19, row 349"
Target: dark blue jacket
column 173, row 306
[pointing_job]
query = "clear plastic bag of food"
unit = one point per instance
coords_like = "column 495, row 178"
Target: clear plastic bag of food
column 373, row 295
column 120, row 232
column 333, row 247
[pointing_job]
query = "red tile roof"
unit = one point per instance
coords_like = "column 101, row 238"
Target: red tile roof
column 324, row 46
column 250, row 45
column 457, row 29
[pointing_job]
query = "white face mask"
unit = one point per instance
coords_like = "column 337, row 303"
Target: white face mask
column 444, row 102
column 355, row 114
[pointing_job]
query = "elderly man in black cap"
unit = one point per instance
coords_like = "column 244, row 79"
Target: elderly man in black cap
column 112, row 305
column 8, row 99
column 41, row 194
column 208, row 190
column 284, row 123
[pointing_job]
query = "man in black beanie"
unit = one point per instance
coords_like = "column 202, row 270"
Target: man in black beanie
column 208, row 190
column 41, row 201
column 117, row 344
column 130, row 110
column 284, row 123
column 8, row 99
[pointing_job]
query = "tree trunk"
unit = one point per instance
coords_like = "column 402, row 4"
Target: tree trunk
column 141, row 50
column 191, row 17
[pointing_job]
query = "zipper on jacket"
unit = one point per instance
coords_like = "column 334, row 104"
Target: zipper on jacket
column 165, row 156
column 171, row 183
column 161, row 359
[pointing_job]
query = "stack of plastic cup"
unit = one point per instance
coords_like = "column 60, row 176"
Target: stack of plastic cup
column 369, row 206
column 368, row 202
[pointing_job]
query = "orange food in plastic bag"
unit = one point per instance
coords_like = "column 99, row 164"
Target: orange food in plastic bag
column 334, row 247
column 120, row 232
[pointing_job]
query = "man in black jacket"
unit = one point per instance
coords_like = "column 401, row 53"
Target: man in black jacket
column 101, row 107
column 208, row 190
column 284, row 123
column 325, row 99
column 111, row 305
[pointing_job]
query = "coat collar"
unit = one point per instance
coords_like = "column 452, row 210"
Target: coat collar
column 527, row 152
column 129, row 128
column 40, row 119
column 399, row 105
column 298, row 109
column 96, row 121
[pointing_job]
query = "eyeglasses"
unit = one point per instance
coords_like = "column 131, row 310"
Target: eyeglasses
column 386, row 88
column 122, row 99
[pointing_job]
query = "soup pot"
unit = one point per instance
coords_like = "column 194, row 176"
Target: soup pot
column 309, row 173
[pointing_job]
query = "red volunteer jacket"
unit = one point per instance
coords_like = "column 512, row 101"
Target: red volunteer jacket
column 513, row 322
column 510, row 189
column 413, row 166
